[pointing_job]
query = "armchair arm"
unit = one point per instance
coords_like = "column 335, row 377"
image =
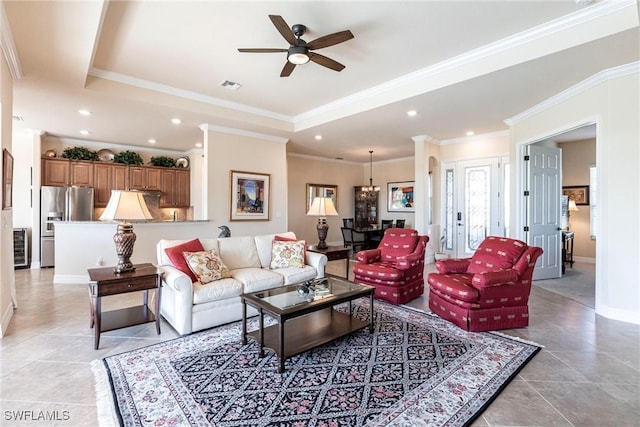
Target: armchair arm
column 448, row 266
column 408, row 261
column 495, row 278
column 317, row 261
column 368, row 256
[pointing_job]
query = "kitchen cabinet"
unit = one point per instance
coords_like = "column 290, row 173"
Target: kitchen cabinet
column 175, row 188
column 145, row 178
column 64, row 173
column 107, row 177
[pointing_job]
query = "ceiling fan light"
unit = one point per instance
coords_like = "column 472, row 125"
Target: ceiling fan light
column 298, row 55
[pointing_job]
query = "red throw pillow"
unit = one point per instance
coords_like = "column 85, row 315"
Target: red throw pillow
column 175, row 254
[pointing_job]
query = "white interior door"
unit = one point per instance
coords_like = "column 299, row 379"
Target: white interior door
column 543, row 182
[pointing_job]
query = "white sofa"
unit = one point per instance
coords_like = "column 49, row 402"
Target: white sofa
column 190, row 307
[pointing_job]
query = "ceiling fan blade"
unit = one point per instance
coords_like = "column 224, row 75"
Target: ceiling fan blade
column 262, row 50
column 287, row 69
column 283, row 28
column 325, row 62
column 330, row 40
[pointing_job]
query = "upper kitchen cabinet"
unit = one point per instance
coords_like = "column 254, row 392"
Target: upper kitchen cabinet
column 107, row 177
column 64, row 173
column 145, row 178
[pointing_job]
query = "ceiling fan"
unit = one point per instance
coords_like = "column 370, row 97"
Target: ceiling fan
column 299, row 51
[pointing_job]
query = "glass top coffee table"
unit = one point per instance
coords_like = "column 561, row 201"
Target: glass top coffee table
column 304, row 321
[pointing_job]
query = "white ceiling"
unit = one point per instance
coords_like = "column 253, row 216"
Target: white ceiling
column 463, row 65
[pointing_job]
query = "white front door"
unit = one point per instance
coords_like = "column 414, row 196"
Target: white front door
column 473, row 204
column 543, row 181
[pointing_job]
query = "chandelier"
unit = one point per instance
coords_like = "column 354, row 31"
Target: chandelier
column 370, row 193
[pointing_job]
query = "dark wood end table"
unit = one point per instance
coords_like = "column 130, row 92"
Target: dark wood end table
column 104, row 282
column 333, row 253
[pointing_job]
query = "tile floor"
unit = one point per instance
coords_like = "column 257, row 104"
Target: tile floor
column 587, row 374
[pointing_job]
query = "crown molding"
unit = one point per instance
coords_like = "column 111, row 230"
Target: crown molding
column 186, row 94
column 515, row 41
column 241, row 132
column 9, row 47
column 589, row 83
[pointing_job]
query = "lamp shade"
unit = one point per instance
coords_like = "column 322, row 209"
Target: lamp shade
column 572, row 206
column 322, row 206
column 126, row 205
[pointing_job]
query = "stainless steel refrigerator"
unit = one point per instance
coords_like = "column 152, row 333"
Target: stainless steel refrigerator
column 61, row 204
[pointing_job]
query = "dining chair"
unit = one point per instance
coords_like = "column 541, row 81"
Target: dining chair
column 353, row 239
column 400, row 223
column 347, row 222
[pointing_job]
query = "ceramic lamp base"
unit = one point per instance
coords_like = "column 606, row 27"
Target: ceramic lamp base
column 323, row 229
column 124, row 240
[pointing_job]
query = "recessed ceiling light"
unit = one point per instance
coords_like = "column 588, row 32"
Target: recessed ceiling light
column 198, row 144
column 318, row 137
column 152, row 141
column 470, row 133
column 412, row 113
column 84, row 132
column 84, row 112
column 176, row 121
column 229, row 85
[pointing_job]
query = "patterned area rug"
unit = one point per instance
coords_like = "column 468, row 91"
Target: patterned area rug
column 415, row 369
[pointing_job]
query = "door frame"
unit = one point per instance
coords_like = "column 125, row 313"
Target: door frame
column 518, row 177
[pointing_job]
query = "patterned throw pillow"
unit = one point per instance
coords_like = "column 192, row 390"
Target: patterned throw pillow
column 175, row 255
column 207, row 266
column 287, row 254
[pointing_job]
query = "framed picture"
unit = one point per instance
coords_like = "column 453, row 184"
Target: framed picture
column 400, row 196
column 250, row 196
column 321, row 190
column 577, row 193
column 7, row 179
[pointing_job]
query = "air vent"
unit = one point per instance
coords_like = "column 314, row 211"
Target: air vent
column 229, row 85
column 17, row 118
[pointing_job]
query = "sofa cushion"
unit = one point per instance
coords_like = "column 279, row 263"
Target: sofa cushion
column 257, row 279
column 264, row 243
column 297, row 275
column 175, row 254
column 216, row 290
column 207, row 266
column 496, row 253
column 287, row 254
column 239, row 252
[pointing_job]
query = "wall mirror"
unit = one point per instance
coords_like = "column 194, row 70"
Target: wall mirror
column 321, row 190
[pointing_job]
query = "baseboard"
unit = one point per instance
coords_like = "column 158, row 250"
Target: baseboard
column 71, row 279
column 6, row 318
column 617, row 314
column 584, row 259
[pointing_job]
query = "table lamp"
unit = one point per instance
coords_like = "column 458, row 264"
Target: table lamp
column 125, row 206
column 322, row 207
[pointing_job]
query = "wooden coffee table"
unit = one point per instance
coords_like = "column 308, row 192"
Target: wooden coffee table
column 304, row 322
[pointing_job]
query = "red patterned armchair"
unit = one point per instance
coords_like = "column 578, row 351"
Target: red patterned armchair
column 488, row 291
column 396, row 267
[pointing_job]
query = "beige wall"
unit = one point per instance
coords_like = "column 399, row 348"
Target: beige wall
column 577, row 156
column 303, row 170
column 225, row 152
column 7, row 276
column 478, row 147
column 614, row 106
